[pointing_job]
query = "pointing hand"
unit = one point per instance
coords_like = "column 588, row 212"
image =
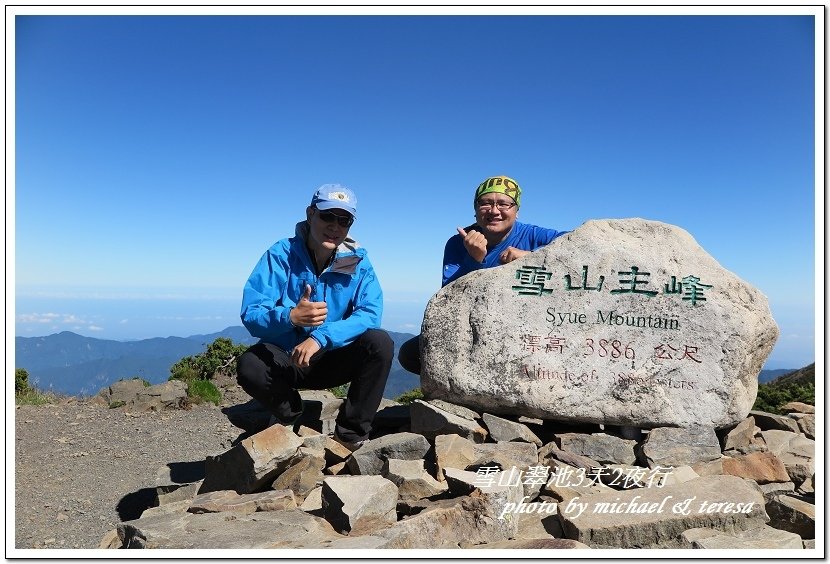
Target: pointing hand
column 475, row 243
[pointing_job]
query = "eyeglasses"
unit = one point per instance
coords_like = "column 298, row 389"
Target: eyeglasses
column 329, row 217
column 501, row 206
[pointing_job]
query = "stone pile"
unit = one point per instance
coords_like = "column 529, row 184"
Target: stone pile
column 438, row 475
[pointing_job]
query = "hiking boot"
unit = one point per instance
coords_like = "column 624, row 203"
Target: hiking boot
column 291, row 425
column 351, row 445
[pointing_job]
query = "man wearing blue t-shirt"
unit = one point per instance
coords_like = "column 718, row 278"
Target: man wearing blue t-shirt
column 495, row 238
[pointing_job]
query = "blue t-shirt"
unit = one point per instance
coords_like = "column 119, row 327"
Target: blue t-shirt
column 458, row 262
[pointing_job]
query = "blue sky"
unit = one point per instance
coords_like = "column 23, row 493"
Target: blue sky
column 157, row 157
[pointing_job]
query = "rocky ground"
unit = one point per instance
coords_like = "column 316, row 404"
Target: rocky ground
column 81, row 468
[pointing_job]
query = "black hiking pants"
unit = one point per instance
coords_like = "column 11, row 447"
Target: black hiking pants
column 267, row 374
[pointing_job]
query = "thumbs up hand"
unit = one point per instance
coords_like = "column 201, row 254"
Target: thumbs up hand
column 475, row 243
column 308, row 313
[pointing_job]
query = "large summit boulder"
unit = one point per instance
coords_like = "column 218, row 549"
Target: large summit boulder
column 622, row 322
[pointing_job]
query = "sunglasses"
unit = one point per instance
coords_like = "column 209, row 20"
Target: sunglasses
column 329, row 217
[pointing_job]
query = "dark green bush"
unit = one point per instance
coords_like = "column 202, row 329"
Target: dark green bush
column 772, row 396
column 220, row 357
column 408, row 397
column 21, row 380
column 340, row 391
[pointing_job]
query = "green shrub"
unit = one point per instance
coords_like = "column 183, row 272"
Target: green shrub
column 219, row 358
column 203, row 390
column 408, row 397
column 21, row 380
column 184, row 371
column 771, row 396
column 340, row 391
column 117, row 403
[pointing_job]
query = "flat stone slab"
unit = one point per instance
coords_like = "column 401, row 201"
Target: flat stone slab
column 293, row 528
column 625, row 322
column 656, row 517
column 761, row 538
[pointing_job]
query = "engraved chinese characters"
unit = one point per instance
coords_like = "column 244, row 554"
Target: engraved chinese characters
column 626, row 322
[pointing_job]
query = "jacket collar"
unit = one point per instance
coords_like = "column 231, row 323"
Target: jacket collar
column 346, row 257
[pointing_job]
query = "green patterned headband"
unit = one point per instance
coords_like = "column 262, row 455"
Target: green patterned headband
column 501, row 184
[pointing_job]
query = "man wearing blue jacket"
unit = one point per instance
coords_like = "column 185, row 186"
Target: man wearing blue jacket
column 495, row 238
column 315, row 303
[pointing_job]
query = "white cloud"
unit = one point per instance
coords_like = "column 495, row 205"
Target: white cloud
column 56, row 319
column 94, row 328
column 38, row 317
column 123, row 321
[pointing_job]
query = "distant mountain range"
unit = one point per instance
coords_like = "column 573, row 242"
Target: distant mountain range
column 68, row 363
column 71, row 364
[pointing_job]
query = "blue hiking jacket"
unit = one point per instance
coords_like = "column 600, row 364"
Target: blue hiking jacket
column 458, row 262
column 348, row 286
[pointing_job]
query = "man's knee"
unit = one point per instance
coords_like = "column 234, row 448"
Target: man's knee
column 378, row 342
column 409, row 355
column 253, row 364
column 247, row 365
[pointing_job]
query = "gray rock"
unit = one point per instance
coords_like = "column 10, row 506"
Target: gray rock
column 123, row 392
column 543, row 523
column 335, row 452
column 167, row 395
column 453, row 451
column 520, row 460
column 320, row 409
column 679, row 475
column 505, row 455
column 314, row 501
column 302, row 476
column 740, row 436
column 230, row 530
column 166, row 509
column 568, row 482
column 473, row 520
column 551, row 453
column 505, row 430
column 774, row 489
column 459, row 410
column 806, row 424
column 230, row 501
column 798, row 407
column 430, row 421
column 791, row 514
column 253, row 463
column 461, row 482
column 670, row 338
column 605, row 449
column 368, row 459
column 672, row 446
column 312, row 440
column 650, row 518
column 350, row 502
column 770, row 421
column 761, row 538
column 796, row 452
column 178, row 492
column 413, row 481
